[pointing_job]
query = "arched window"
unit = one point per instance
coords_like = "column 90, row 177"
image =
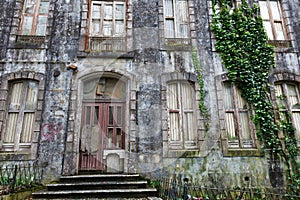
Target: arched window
column 181, row 108
column 288, row 100
column 21, row 107
column 239, row 127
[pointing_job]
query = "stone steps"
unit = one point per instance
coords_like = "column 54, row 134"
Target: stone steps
column 97, row 185
column 109, row 193
column 103, row 186
column 100, row 177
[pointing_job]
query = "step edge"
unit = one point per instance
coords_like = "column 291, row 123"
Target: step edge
column 97, row 183
column 102, row 176
column 95, row 191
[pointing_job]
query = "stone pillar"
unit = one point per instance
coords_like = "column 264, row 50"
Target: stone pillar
column 147, row 59
column 7, row 28
column 63, row 36
column 52, row 141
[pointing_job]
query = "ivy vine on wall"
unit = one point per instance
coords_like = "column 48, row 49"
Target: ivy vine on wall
column 202, row 107
column 241, row 42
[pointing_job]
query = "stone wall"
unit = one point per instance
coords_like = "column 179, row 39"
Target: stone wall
column 215, row 170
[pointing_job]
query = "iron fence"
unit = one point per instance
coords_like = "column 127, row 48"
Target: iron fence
column 174, row 190
column 18, row 175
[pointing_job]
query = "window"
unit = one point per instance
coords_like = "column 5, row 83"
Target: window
column 21, row 115
column 107, row 26
column 107, row 18
column 288, row 100
column 34, row 17
column 271, row 14
column 180, row 102
column 176, row 19
column 240, row 130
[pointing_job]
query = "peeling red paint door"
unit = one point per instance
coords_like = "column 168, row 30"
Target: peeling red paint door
column 102, row 129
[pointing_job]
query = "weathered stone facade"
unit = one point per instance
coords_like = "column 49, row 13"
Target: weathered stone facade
column 64, row 62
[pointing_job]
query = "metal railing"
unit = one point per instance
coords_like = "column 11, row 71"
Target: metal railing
column 107, row 44
column 178, row 43
column 174, row 190
column 18, row 175
column 30, row 39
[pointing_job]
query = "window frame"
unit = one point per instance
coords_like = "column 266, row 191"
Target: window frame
column 35, row 18
column 98, row 41
column 176, row 22
column 238, row 142
column 17, row 145
column 182, row 143
column 273, row 21
column 102, row 18
column 284, row 98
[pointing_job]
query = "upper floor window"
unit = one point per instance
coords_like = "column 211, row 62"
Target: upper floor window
column 180, row 102
column 271, row 14
column 288, row 100
column 239, row 127
column 176, row 19
column 34, row 17
column 107, row 26
column 20, row 115
column 107, row 18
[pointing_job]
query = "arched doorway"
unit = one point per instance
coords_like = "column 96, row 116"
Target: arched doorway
column 102, row 124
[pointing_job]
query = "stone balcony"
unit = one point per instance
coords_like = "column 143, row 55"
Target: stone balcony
column 107, row 44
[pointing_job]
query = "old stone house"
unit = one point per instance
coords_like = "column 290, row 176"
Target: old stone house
column 111, row 86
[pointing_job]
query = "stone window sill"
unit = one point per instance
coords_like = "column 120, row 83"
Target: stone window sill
column 14, row 156
column 30, row 41
column 243, row 152
column 281, row 43
column 177, row 43
column 182, row 154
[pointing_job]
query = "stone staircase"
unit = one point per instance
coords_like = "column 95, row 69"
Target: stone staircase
column 101, row 186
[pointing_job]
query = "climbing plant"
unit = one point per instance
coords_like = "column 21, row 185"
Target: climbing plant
column 202, row 107
column 241, row 42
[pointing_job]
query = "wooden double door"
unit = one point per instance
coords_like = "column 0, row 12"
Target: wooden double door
column 102, row 129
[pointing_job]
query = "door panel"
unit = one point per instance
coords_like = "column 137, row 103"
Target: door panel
column 102, row 129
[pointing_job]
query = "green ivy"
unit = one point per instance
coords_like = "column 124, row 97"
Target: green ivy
column 202, row 107
column 242, row 44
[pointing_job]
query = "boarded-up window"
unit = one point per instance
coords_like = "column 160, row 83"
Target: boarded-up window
column 180, row 102
column 107, row 18
column 240, row 130
column 288, row 100
column 21, row 112
column 176, row 19
column 34, row 17
column 271, row 14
